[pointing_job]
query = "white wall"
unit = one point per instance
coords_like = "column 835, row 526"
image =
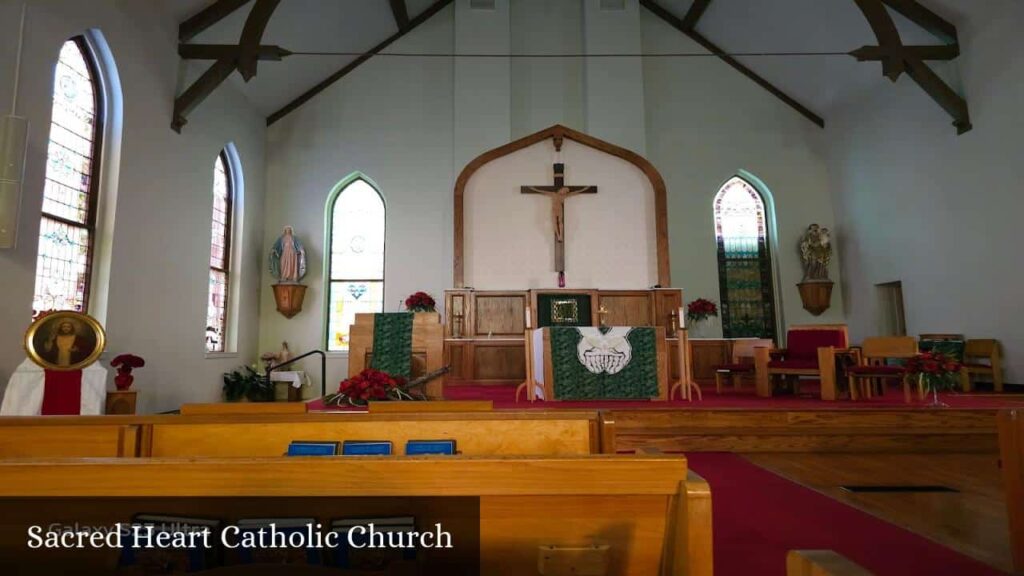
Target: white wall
column 610, row 237
column 160, row 250
column 937, row 211
column 402, row 122
column 705, row 123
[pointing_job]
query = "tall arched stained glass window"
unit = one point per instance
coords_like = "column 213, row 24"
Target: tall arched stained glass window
column 68, row 226
column 220, row 256
column 355, row 272
column 744, row 262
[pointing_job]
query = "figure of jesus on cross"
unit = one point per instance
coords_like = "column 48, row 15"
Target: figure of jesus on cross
column 558, row 194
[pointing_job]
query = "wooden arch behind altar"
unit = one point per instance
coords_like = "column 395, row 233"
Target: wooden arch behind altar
column 558, row 134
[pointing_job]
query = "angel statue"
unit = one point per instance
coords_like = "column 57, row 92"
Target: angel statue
column 816, row 253
column 288, row 258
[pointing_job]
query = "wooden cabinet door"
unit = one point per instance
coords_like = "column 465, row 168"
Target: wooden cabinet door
column 706, row 355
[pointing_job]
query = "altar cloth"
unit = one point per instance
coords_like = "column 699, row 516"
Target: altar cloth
column 26, row 387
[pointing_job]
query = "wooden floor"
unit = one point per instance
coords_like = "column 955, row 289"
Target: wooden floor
column 972, row 521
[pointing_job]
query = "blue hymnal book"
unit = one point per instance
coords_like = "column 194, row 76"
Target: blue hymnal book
column 303, row 448
column 366, row 448
column 419, row 447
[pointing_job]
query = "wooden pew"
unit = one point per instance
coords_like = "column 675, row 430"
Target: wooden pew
column 431, row 406
column 244, row 408
column 475, row 433
column 69, row 436
column 653, row 517
column 821, row 563
column 1011, row 452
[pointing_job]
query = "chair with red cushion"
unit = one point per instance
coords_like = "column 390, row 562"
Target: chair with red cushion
column 742, row 361
column 810, row 351
column 873, row 368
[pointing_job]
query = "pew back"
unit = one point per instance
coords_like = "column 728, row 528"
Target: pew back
column 641, row 507
column 68, row 437
column 1011, row 452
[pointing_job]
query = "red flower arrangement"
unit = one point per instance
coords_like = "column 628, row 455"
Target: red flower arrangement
column 125, row 363
column 369, row 385
column 420, row 302
column 701, row 309
column 934, row 369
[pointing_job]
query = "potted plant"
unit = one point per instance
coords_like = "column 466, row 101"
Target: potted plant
column 247, row 385
column 125, row 363
column 934, row 371
column 420, row 302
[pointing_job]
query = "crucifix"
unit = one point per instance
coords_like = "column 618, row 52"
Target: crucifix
column 558, row 194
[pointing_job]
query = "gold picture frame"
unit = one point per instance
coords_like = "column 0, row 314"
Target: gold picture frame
column 65, row 341
column 565, row 311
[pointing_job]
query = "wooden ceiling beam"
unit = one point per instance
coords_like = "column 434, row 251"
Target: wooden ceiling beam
column 401, row 13
column 918, row 14
column 897, row 58
column 678, row 24
column 252, row 35
column 876, row 53
column 348, row 68
column 214, row 13
column 200, row 90
column 218, row 51
column 694, row 13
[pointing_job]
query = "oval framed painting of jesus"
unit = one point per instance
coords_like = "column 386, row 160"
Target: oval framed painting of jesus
column 65, row 341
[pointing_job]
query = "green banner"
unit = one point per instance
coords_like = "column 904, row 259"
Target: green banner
column 392, row 343
column 573, row 380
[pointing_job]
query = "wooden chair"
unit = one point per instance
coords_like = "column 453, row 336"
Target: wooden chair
column 811, row 351
column 872, row 365
column 987, row 350
column 741, row 363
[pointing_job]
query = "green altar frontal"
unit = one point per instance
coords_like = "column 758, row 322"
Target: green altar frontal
column 616, row 363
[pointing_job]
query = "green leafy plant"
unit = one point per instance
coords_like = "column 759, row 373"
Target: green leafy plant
column 247, row 384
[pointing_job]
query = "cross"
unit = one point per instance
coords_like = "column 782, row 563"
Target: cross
column 558, row 194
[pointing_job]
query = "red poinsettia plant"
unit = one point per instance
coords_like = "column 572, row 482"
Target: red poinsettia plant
column 125, row 363
column 935, row 370
column 701, row 309
column 370, row 385
column 420, row 302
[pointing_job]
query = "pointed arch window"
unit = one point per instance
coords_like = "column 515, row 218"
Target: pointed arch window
column 67, row 230
column 220, row 255
column 355, row 268
column 744, row 261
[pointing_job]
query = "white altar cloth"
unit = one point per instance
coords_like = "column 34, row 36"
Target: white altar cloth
column 24, row 393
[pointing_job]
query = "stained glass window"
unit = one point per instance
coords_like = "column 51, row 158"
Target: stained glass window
column 68, row 225
column 744, row 262
column 220, row 257
column 356, row 266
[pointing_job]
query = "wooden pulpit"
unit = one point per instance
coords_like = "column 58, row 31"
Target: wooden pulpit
column 427, row 348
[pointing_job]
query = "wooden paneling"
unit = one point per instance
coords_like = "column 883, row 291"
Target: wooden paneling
column 499, row 314
column 244, row 408
column 706, row 355
column 499, row 361
column 1011, row 451
column 667, row 301
column 627, row 308
column 31, row 438
column 906, row 431
column 454, row 358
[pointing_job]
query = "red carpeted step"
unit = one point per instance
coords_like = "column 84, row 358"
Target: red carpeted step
column 758, row 516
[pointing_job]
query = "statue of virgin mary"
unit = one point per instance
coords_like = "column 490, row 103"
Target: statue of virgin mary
column 288, row 258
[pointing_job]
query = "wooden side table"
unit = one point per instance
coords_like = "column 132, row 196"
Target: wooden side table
column 121, row 402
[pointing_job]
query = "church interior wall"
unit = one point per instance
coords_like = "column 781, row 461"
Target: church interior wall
column 393, row 120
column 937, row 211
column 161, row 234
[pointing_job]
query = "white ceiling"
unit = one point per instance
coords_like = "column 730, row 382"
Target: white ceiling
column 820, row 83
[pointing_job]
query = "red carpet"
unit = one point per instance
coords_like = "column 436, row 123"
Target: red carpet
column 758, row 516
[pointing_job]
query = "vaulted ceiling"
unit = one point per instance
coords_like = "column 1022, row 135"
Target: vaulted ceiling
column 735, row 26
